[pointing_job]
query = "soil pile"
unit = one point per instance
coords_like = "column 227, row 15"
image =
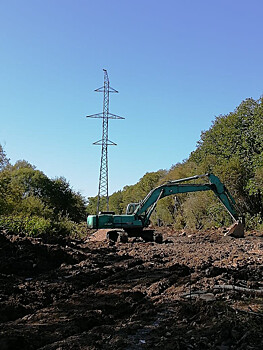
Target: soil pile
column 195, row 291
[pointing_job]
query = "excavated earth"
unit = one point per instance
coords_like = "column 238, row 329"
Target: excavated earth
column 197, row 290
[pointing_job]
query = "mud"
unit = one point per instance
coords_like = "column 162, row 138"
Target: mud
column 92, row 294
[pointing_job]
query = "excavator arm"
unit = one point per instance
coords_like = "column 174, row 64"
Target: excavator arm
column 145, row 208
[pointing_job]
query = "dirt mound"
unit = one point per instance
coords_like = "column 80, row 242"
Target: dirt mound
column 197, row 291
column 98, row 236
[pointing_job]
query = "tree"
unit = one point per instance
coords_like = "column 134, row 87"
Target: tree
column 27, row 190
column 65, row 201
column 137, row 192
column 233, row 149
column 4, row 161
column 116, row 202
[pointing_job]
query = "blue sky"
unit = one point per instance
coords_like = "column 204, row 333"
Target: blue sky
column 176, row 64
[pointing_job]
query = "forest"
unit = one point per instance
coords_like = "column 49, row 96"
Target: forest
column 232, row 149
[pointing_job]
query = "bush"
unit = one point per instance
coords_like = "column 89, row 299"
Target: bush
column 30, row 225
column 35, row 226
column 254, row 222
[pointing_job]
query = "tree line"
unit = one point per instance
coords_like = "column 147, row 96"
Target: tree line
column 232, row 149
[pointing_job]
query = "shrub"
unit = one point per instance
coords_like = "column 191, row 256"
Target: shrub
column 30, row 225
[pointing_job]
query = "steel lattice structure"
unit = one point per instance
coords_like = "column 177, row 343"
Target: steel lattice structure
column 103, row 191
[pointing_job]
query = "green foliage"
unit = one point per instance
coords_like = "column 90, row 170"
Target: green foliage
column 92, row 205
column 255, row 184
column 233, row 149
column 181, row 170
column 203, row 210
column 34, row 204
column 63, row 226
column 30, row 225
column 27, row 190
column 137, row 192
column 35, row 226
column 165, row 211
column 65, row 201
column 116, row 202
column 254, row 222
column 237, row 134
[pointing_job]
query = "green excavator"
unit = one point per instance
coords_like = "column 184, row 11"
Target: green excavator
column 138, row 215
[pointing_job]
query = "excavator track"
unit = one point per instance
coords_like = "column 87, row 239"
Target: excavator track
column 123, row 236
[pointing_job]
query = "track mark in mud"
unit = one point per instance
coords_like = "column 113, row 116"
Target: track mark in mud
column 128, row 296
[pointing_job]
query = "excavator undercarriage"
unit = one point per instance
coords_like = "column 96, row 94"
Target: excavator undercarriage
column 147, row 235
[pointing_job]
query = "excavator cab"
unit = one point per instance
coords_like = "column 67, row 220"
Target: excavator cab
column 131, row 207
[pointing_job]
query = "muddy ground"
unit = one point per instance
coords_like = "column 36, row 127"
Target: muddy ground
column 197, row 290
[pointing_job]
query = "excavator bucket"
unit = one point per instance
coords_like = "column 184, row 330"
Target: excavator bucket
column 236, row 230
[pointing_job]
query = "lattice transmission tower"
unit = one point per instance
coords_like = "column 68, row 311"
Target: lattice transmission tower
column 103, row 191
